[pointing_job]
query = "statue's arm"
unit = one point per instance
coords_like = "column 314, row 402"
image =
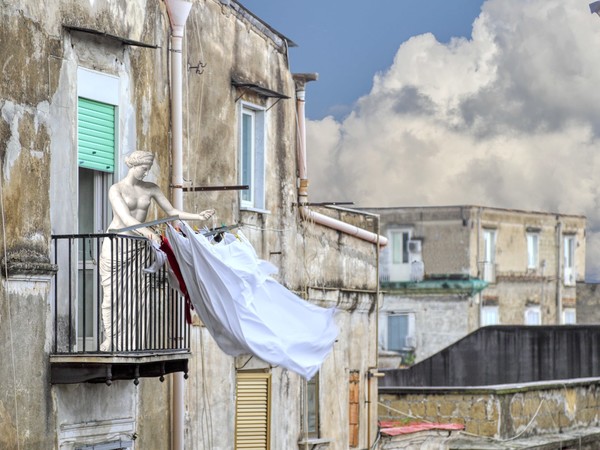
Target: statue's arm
column 170, row 210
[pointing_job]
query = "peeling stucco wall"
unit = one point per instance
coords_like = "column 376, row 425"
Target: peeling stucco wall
column 322, row 265
column 588, row 303
column 38, row 154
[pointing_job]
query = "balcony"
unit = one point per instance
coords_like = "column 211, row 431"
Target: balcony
column 113, row 319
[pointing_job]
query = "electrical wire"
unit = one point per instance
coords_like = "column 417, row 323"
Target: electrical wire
column 254, row 227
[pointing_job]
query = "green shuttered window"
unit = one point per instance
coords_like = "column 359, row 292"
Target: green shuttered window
column 96, row 135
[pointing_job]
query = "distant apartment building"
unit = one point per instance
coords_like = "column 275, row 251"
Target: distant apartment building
column 451, row 269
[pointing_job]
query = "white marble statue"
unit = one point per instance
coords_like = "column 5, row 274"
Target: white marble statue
column 124, row 291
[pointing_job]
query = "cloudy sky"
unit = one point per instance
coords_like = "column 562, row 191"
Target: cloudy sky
column 507, row 115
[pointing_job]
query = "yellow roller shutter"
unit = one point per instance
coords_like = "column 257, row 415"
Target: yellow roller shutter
column 252, row 411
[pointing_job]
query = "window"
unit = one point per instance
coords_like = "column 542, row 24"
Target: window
column 489, row 255
column 489, row 315
column 399, row 332
column 312, row 398
column 252, row 156
column 569, row 260
column 533, row 315
column 400, row 247
column 252, row 410
column 569, row 316
column 533, row 254
column 400, row 257
column 97, row 100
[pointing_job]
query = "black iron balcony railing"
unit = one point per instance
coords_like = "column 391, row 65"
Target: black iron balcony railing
column 107, row 301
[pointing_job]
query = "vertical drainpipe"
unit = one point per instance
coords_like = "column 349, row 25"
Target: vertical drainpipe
column 178, row 11
column 559, row 269
column 478, row 266
column 301, row 80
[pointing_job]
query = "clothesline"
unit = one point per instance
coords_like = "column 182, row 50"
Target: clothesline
column 209, row 232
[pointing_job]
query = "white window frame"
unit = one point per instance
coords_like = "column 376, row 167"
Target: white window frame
column 98, row 86
column 533, row 250
column 533, row 315
column 254, row 197
column 399, row 256
column 569, row 316
column 410, row 336
column 569, row 245
column 489, row 315
column 489, row 255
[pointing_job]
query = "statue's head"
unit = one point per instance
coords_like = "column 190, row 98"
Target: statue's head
column 138, row 158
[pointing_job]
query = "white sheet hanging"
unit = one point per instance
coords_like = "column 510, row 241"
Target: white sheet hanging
column 245, row 310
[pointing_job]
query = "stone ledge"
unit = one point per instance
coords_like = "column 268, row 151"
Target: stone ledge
column 26, row 262
column 314, row 444
column 498, row 389
column 588, row 438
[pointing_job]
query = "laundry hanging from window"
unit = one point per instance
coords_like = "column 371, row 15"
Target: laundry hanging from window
column 244, row 309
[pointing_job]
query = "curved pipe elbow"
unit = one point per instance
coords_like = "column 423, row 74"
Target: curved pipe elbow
column 344, row 227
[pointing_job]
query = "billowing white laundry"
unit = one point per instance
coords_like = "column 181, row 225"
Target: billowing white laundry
column 245, row 309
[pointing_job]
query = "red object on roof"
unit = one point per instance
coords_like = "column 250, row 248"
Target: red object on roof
column 388, row 428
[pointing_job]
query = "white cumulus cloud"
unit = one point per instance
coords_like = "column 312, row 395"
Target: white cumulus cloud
column 509, row 118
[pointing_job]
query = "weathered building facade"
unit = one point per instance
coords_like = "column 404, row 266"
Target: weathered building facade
column 241, row 107
column 449, row 270
column 588, row 300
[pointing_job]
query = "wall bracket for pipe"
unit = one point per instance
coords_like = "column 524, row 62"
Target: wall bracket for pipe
column 199, row 68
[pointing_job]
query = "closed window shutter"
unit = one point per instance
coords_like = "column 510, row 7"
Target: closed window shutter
column 96, row 135
column 253, row 392
column 354, row 408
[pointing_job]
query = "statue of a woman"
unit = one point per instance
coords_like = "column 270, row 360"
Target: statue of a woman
column 130, row 199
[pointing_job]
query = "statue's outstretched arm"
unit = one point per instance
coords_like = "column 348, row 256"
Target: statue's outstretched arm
column 170, row 210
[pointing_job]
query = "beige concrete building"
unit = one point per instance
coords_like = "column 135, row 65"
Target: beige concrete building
column 451, row 269
column 588, row 302
column 211, row 94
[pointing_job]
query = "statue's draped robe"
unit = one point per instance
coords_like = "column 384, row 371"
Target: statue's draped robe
column 124, row 293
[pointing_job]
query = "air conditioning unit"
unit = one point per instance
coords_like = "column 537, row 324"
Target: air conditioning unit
column 414, row 246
